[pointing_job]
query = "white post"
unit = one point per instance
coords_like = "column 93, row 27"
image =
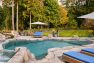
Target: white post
column 30, row 20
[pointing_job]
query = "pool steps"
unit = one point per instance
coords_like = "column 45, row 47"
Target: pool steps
column 22, row 56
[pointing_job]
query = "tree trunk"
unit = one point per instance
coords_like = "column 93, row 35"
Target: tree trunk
column 13, row 15
column 17, row 28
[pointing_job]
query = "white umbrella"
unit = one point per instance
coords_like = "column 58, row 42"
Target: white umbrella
column 39, row 23
column 88, row 16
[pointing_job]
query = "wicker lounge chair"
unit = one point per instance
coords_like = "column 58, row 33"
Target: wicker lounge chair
column 88, row 51
column 76, row 57
column 38, row 34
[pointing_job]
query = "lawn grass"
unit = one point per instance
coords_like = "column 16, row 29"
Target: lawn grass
column 68, row 33
column 62, row 33
column 71, row 33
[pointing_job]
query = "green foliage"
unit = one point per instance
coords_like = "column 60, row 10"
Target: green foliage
column 7, row 18
column 36, row 9
column 63, row 18
column 22, row 16
column 2, row 18
column 72, row 24
column 47, row 11
column 52, row 11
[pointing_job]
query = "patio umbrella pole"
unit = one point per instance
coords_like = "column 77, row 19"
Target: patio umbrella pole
column 30, row 20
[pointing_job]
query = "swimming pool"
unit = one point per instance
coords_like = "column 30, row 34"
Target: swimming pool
column 40, row 48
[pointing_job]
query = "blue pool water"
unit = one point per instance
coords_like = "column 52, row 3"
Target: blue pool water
column 40, row 48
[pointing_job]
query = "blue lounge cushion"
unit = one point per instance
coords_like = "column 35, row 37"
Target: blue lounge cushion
column 38, row 33
column 80, row 56
column 90, row 50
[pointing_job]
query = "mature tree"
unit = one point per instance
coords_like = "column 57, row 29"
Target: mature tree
column 7, row 13
column 36, row 9
column 7, row 18
column 22, row 16
column 10, row 3
column 17, row 8
column 52, row 12
column 63, row 15
column 47, row 11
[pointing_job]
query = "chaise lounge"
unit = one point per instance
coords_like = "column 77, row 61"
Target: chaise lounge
column 38, row 34
column 77, row 57
column 88, row 51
